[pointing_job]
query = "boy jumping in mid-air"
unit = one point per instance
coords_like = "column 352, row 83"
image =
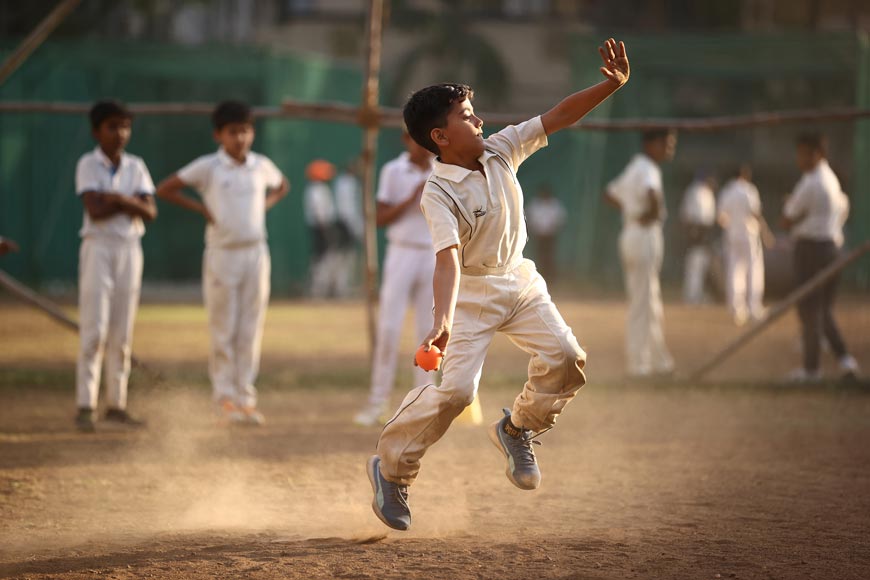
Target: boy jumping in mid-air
column 118, row 194
column 237, row 188
column 473, row 204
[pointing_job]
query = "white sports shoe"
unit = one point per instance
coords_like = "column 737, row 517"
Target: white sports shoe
column 371, row 415
column 849, row 366
column 801, row 375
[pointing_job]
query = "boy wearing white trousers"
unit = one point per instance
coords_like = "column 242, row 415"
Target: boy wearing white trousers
column 473, row 205
column 739, row 215
column 638, row 193
column 408, row 268
column 237, row 188
column 118, row 194
column 698, row 216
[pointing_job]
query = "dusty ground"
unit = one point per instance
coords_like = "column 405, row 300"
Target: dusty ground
column 639, row 482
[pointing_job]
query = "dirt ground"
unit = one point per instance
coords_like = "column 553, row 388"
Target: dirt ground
column 718, row 480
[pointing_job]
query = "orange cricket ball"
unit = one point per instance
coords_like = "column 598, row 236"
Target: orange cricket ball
column 429, row 361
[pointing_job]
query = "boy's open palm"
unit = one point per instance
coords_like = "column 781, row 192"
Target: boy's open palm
column 616, row 66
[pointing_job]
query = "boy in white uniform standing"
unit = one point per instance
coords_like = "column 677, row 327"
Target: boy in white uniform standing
column 118, row 194
column 639, row 194
column 698, row 216
column 237, row 188
column 473, row 204
column 740, row 216
column 408, row 267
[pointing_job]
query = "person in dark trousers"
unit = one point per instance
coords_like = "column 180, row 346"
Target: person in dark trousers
column 815, row 213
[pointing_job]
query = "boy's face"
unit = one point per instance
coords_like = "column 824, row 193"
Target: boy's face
column 236, row 139
column 663, row 149
column 807, row 157
column 113, row 134
column 463, row 134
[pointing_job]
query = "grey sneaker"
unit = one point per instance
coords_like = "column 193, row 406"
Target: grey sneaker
column 390, row 503
column 86, row 420
column 522, row 467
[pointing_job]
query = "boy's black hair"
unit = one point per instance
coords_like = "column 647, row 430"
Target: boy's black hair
column 231, row 112
column 427, row 109
column 813, row 140
column 103, row 110
column 655, row 134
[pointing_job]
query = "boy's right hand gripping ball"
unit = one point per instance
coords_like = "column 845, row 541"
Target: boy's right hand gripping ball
column 429, row 361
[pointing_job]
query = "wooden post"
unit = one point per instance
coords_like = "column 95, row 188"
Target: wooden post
column 370, row 120
column 36, row 37
column 777, row 311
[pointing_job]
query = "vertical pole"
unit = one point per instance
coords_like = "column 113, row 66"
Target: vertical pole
column 36, row 37
column 370, row 120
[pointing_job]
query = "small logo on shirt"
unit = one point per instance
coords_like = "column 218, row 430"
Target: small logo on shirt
column 479, row 212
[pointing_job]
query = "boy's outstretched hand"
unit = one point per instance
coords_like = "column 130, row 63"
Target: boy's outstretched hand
column 616, row 66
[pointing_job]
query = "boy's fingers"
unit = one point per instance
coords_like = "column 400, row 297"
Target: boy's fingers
column 622, row 49
column 603, row 54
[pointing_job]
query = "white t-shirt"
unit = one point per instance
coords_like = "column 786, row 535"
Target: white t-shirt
column 348, row 203
column 235, row 194
column 484, row 215
column 546, row 216
column 699, row 205
column 95, row 172
column 398, row 180
column 319, row 204
column 818, row 206
column 631, row 188
column 740, row 206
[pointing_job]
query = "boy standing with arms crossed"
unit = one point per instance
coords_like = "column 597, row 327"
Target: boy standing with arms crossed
column 118, row 194
column 473, row 204
column 237, row 188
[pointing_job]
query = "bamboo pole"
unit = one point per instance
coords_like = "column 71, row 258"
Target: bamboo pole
column 36, row 37
column 777, row 311
column 369, row 119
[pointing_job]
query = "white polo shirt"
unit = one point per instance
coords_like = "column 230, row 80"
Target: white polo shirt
column 740, row 205
column 398, row 180
column 699, row 205
column 235, row 194
column 483, row 214
column 631, row 188
column 818, row 206
column 95, row 172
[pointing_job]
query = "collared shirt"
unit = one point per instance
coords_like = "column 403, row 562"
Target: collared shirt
column 235, row 194
column 95, row 172
column 699, row 205
column 631, row 188
column 740, row 205
column 818, row 206
column 483, row 214
column 399, row 179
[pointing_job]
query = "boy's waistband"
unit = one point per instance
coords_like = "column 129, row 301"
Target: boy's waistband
column 236, row 245
column 485, row 271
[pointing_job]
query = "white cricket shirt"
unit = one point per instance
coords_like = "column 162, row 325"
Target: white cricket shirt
column 95, row 172
column 545, row 216
column 699, row 205
column 631, row 188
column 398, row 181
column 348, row 203
column 818, row 206
column 483, row 214
column 740, row 205
column 235, row 194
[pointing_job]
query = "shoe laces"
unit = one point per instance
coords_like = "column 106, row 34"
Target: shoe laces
column 402, row 495
column 526, row 441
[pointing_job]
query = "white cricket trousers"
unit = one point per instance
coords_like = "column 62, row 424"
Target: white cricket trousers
column 236, row 290
column 110, row 279
column 745, row 276
column 408, row 272
column 696, row 266
column 517, row 304
column 642, row 249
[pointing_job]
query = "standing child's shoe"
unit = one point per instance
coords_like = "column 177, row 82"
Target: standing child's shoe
column 522, row 467
column 228, row 413
column 251, row 416
column 123, row 417
column 390, row 503
column 86, row 420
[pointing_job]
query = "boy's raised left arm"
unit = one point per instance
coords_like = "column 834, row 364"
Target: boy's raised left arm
column 616, row 70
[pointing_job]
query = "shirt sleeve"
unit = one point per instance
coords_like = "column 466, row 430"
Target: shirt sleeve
column 616, row 187
column 386, row 190
column 146, row 184
column 517, row 142
column 196, row 174
column 87, row 176
column 796, row 205
column 442, row 222
column 273, row 175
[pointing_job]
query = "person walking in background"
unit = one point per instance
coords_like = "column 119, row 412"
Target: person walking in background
column 638, row 193
column 409, row 264
column 237, row 187
column 739, row 215
column 350, row 226
column 546, row 217
column 698, row 217
column 815, row 213
column 118, row 196
column 321, row 217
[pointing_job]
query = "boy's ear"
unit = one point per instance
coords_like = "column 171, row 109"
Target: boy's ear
column 439, row 137
column 216, row 134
